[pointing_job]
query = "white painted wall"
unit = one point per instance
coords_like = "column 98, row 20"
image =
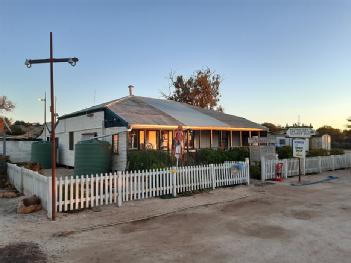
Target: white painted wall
column 18, row 151
column 94, row 123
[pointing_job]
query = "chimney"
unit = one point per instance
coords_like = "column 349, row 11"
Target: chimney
column 131, row 88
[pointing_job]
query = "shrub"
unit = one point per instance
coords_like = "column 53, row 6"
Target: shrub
column 152, row 159
column 149, row 159
column 284, row 152
column 317, row 152
column 323, row 152
column 255, row 171
column 208, row 156
column 336, row 151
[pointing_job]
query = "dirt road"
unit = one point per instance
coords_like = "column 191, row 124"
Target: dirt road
column 269, row 223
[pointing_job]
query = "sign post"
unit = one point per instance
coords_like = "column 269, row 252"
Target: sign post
column 299, row 151
column 300, row 134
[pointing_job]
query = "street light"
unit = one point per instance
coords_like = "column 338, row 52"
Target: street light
column 51, row 61
column 44, row 100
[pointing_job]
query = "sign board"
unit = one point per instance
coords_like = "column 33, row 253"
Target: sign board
column 299, row 148
column 299, row 132
column 266, row 151
column 261, row 140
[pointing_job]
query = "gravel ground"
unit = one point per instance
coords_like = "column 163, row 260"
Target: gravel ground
column 259, row 223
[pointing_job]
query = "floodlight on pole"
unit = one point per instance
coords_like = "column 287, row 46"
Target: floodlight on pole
column 72, row 61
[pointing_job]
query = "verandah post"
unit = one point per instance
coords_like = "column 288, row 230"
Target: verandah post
column 119, row 188
column 213, row 176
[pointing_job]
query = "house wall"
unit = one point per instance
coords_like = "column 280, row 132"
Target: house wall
column 18, row 151
column 94, row 123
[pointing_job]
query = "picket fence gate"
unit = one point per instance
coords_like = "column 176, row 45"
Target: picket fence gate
column 311, row 165
column 87, row 191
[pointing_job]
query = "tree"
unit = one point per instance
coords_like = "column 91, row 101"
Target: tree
column 272, row 127
column 5, row 104
column 200, row 89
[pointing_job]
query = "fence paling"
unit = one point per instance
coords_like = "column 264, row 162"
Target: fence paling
column 87, row 191
column 312, row 165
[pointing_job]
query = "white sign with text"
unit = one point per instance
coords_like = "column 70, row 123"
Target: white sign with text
column 299, row 148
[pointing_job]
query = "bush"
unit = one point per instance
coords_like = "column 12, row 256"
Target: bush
column 149, row 159
column 285, row 152
column 152, row 159
column 317, row 152
column 208, row 156
column 336, row 152
column 255, row 171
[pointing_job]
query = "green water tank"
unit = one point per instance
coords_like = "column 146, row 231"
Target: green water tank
column 41, row 153
column 92, row 157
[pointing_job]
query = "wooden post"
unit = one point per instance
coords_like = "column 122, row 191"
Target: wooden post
column 211, row 140
column 241, row 138
column 285, row 168
column 49, row 196
column 221, row 139
column 174, row 181
column 231, row 139
column 200, row 139
column 119, row 187
column 263, row 168
column 247, row 167
column 213, row 176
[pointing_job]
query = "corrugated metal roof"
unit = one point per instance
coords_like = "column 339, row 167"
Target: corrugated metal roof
column 136, row 110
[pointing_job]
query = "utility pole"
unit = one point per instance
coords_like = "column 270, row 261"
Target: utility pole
column 52, row 60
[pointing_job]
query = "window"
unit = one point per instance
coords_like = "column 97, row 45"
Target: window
column 133, row 140
column 282, row 141
column 151, row 141
column 71, row 141
column 115, row 143
column 164, row 140
column 189, row 139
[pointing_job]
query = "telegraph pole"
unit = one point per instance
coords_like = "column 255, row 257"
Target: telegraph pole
column 52, row 60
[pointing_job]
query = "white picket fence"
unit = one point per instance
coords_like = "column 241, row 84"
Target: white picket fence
column 74, row 193
column 29, row 182
column 291, row 167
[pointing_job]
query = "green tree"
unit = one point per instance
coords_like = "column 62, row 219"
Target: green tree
column 200, row 89
column 272, row 127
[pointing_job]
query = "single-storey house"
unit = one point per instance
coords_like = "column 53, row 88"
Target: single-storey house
column 137, row 123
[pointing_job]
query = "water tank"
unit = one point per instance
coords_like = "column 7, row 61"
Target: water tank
column 41, row 153
column 92, row 157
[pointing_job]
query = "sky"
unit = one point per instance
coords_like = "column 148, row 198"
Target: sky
column 279, row 59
